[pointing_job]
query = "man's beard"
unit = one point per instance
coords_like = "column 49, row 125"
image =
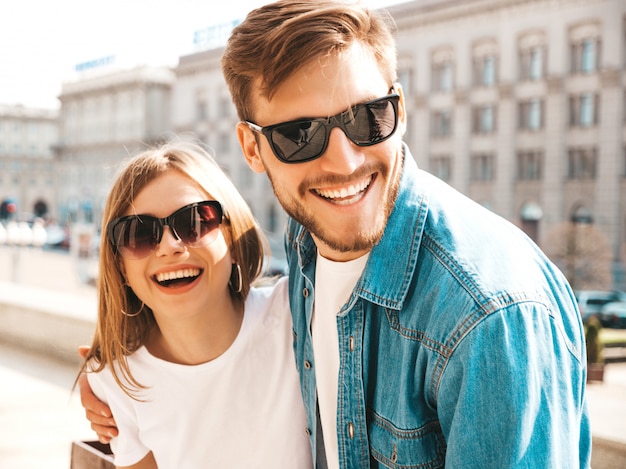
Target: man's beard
column 359, row 241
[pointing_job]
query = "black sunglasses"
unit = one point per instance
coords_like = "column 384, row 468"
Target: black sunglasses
column 302, row 140
column 136, row 236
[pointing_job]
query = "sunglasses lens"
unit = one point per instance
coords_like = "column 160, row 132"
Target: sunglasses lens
column 299, row 141
column 371, row 123
column 365, row 124
column 197, row 225
column 136, row 237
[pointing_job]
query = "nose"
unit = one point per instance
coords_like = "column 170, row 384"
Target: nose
column 341, row 155
column 169, row 244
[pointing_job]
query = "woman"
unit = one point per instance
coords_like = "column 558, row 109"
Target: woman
column 196, row 365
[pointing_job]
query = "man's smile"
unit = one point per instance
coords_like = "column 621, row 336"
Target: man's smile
column 346, row 194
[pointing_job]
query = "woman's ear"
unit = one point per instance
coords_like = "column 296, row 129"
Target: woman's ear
column 122, row 268
column 250, row 147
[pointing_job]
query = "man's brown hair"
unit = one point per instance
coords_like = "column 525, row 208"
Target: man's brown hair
column 276, row 40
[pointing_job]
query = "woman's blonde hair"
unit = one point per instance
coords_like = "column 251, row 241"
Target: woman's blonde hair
column 124, row 321
column 276, row 40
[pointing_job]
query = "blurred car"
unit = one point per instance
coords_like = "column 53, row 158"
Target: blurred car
column 591, row 302
column 614, row 315
column 57, row 237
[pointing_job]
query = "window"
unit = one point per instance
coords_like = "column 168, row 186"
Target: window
column 583, row 110
column 529, row 164
column 441, row 167
column 582, row 163
column 536, row 63
column 223, row 143
column 588, row 56
column 483, row 119
column 442, row 69
column 482, row 167
column 441, row 124
column 405, row 78
column 485, row 71
column 226, row 107
column 585, row 46
column 201, row 108
column 488, row 71
column 485, row 63
column 532, row 62
column 530, row 115
column 442, row 76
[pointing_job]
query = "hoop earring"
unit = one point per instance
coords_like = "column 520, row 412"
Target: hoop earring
column 236, row 280
column 134, row 314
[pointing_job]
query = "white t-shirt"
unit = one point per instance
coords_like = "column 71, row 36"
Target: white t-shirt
column 242, row 410
column 334, row 282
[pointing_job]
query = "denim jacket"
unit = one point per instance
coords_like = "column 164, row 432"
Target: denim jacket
column 460, row 346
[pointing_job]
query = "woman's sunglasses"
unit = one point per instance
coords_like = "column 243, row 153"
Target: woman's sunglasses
column 137, row 236
column 302, row 140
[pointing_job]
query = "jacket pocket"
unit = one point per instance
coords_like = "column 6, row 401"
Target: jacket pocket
column 423, row 447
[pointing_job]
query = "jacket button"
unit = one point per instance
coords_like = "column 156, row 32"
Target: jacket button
column 305, row 292
column 308, row 431
column 307, row 364
column 351, row 430
column 351, row 343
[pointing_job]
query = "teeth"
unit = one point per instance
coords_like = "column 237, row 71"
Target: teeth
column 183, row 273
column 349, row 191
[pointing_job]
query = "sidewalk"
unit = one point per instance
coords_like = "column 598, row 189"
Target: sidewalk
column 607, row 401
column 39, row 417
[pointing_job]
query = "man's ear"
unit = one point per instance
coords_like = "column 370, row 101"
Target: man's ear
column 401, row 108
column 250, row 147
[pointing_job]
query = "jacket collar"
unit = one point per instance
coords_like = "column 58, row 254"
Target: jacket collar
column 392, row 262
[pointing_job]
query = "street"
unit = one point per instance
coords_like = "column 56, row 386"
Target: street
column 57, row 270
column 40, row 417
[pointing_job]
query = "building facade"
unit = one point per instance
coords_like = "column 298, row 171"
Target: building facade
column 520, row 104
column 106, row 117
column 27, row 174
column 202, row 107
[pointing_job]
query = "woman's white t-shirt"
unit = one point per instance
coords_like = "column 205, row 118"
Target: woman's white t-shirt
column 241, row 410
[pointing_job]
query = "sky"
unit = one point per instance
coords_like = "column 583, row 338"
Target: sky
column 42, row 41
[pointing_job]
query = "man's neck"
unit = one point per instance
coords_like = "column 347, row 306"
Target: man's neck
column 337, row 256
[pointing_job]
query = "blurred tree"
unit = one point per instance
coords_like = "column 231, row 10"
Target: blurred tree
column 583, row 253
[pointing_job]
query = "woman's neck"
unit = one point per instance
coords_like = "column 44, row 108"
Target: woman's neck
column 199, row 339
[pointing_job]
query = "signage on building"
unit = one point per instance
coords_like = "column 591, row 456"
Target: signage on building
column 96, row 63
column 213, row 36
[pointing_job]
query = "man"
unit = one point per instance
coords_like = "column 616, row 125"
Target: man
column 428, row 332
